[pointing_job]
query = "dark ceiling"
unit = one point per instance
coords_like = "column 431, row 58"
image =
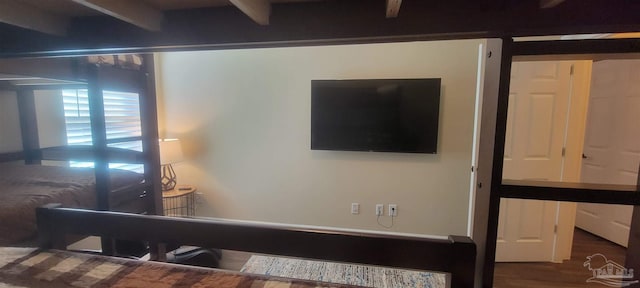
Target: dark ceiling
column 223, row 26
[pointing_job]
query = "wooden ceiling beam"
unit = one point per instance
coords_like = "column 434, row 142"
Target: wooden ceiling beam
column 30, row 17
column 393, row 7
column 258, row 10
column 133, row 12
column 544, row 4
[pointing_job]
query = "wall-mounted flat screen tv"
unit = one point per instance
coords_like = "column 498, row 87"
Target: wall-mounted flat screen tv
column 387, row 115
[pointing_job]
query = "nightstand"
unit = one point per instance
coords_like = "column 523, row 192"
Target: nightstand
column 180, row 201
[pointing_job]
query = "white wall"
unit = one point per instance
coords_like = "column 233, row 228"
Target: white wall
column 50, row 118
column 49, row 114
column 10, row 136
column 244, row 118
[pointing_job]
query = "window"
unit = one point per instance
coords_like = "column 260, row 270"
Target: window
column 122, row 119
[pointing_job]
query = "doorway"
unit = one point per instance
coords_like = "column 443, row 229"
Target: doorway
column 547, row 105
column 603, row 97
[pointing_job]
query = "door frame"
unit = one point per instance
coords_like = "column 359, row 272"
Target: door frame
column 619, row 194
column 572, row 164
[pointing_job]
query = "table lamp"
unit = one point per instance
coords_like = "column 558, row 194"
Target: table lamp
column 170, row 152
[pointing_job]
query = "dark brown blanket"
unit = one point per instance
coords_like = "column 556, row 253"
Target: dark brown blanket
column 67, row 269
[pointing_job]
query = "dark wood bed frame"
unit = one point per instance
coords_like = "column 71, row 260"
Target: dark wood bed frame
column 147, row 197
column 455, row 255
column 136, row 198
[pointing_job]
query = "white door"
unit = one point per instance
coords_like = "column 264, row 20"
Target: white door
column 538, row 103
column 612, row 144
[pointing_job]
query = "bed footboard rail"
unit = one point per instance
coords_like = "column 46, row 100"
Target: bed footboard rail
column 455, row 255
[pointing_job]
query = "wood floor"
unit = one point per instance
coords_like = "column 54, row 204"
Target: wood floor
column 569, row 274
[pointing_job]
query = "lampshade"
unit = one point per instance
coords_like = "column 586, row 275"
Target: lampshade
column 170, row 151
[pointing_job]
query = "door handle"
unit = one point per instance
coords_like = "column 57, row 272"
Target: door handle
column 584, row 156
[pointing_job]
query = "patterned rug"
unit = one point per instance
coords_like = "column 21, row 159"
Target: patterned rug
column 369, row 276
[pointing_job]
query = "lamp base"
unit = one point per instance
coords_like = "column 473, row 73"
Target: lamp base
column 168, row 179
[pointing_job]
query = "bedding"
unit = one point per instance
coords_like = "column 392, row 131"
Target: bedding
column 25, row 187
column 53, row 268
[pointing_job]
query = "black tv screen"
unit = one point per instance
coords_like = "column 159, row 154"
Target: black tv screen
column 390, row 115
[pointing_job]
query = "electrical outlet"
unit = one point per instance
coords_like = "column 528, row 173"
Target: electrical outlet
column 393, row 210
column 379, row 209
column 355, row 208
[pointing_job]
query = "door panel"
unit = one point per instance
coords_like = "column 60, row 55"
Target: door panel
column 611, row 222
column 539, row 139
column 612, row 144
column 502, row 221
column 536, row 117
column 527, row 234
column 537, row 114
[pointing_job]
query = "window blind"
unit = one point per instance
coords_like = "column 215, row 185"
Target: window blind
column 122, row 120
